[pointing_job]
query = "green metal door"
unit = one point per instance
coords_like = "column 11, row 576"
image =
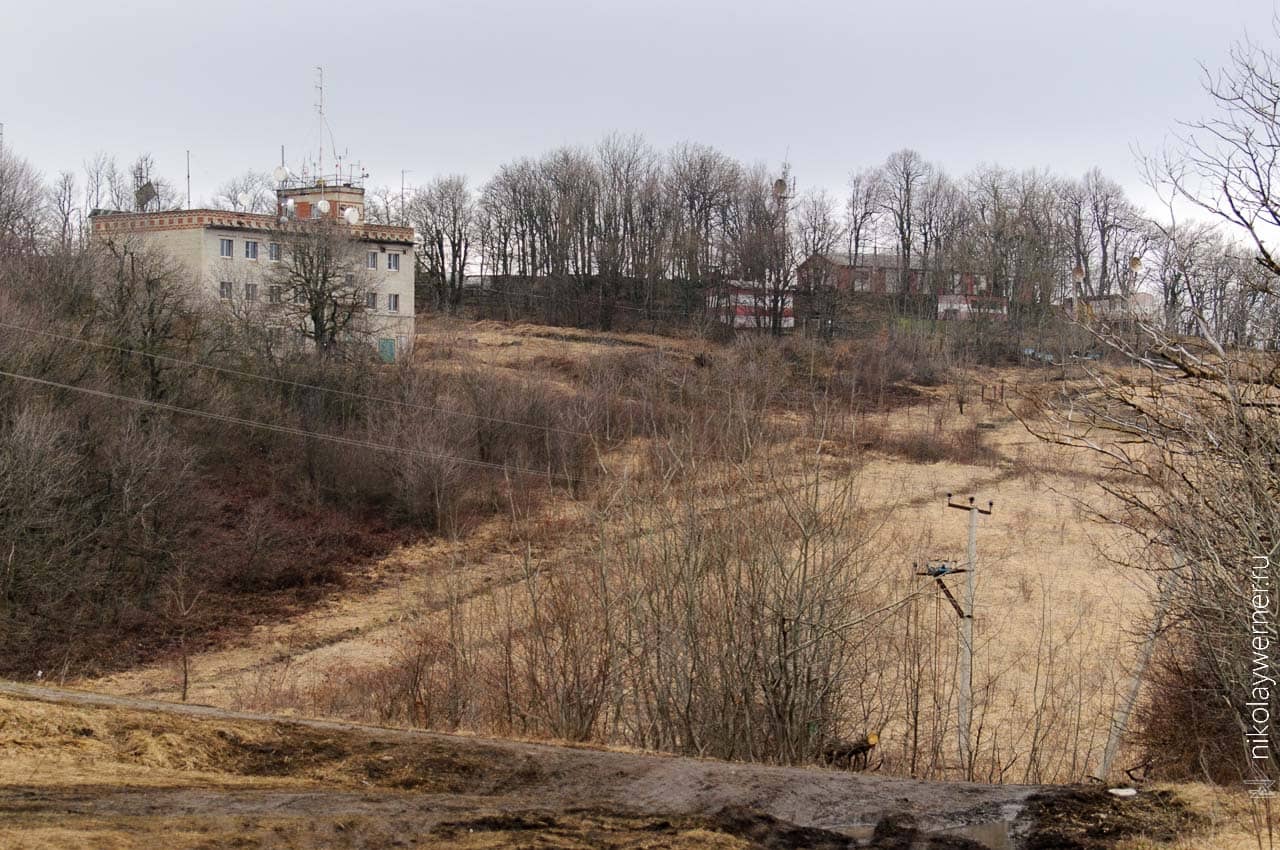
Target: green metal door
column 387, row 350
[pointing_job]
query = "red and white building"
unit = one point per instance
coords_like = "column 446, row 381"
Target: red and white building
column 741, row 305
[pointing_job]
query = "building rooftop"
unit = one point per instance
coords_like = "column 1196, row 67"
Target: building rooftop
column 875, row 260
column 112, row 221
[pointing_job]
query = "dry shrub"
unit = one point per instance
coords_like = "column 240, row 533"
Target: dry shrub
column 966, row 445
column 880, row 370
column 918, row 446
column 270, row 689
column 1183, row 735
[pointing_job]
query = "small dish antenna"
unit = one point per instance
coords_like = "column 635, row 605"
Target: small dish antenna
column 323, row 206
column 352, row 215
column 281, row 174
column 243, row 198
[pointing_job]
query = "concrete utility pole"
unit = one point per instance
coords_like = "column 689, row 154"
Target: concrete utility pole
column 1164, row 593
column 966, row 634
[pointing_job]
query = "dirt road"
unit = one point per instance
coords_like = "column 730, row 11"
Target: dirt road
column 242, row 765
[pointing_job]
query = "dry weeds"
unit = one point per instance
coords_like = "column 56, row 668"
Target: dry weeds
column 1053, row 618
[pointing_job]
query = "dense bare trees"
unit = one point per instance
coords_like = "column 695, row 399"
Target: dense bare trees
column 623, row 228
column 21, row 204
column 146, row 308
column 444, row 214
column 251, row 192
column 758, row 251
column 1191, row 433
column 585, row 236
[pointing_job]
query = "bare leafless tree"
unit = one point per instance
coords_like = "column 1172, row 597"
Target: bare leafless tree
column 818, row 232
column 321, row 284
column 862, row 212
column 905, row 174
column 1224, row 164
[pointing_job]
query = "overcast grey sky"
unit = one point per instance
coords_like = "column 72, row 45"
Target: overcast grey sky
column 440, row 87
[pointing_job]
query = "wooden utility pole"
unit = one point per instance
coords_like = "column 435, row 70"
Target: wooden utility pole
column 966, row 634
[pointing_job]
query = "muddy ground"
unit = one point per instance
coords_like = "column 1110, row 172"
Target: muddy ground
column 87, row 770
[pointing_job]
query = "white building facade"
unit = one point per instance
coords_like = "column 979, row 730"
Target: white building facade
column 231, row 257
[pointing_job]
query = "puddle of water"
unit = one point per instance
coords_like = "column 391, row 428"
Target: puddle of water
column 994, row 835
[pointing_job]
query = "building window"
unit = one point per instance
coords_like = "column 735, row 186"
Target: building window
column 393, row 262
column 371, row 300
column 275, row 294
column 224, row 290
column 300, row 297
column 275, row 336
column 349, row 279
column 371, row 260
column 251, row 292
column 273, row 252
column 393, row 303
column 226, row 248
column 250, row 249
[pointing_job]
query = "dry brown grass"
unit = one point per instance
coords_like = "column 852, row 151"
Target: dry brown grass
column 1045, row 594
column 1233, row 821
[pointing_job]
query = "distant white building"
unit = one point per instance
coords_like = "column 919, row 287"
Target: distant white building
column 967, row 307
column 1140, row 306
column 228, row 255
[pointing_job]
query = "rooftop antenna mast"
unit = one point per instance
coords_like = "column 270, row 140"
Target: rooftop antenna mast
column 320, row 116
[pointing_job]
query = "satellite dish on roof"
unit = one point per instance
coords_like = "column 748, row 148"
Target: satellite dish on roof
column 352, row 215
column 323, row 206
column 145, row 194
column 281, row 173
column 243, row 198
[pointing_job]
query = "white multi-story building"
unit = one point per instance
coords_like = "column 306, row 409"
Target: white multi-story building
column 230, row 256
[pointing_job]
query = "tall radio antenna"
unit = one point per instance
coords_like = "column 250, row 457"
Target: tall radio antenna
column 320, row 113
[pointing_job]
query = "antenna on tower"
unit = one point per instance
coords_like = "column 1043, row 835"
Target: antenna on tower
column 320, row 114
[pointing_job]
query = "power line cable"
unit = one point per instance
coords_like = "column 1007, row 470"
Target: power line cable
column 343, row 393
column 285, row 429
column 287, row 382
